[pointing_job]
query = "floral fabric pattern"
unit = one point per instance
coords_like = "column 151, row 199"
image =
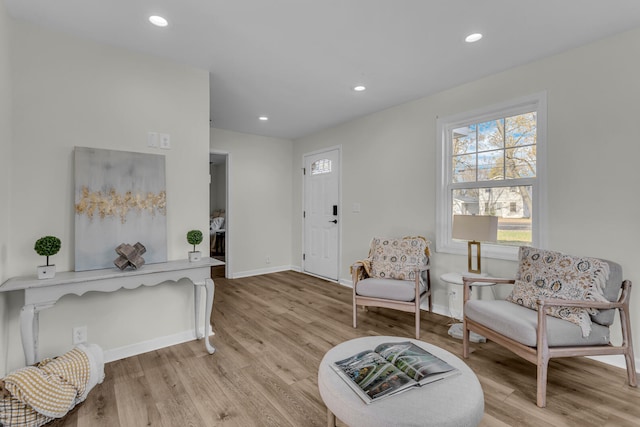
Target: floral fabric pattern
column 398, row 258
column 546, row 274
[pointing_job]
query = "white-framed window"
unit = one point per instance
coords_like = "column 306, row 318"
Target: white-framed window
column 491, row 161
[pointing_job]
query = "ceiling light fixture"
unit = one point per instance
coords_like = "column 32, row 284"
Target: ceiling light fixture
column 263, row 118
column 359, row 88
column 471, row 38
column 158, row 21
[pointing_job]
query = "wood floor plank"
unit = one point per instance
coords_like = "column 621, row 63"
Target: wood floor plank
column 135, row 402
column 271, row 333
column 101, row 407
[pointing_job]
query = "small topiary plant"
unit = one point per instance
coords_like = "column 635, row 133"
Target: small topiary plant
column 47, row 246
column 194, row 237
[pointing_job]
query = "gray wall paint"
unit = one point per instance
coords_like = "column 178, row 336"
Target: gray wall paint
column 72, row 92
column 6, row 135
column 389, row 161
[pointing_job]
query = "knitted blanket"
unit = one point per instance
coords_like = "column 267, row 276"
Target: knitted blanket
column 34, row 395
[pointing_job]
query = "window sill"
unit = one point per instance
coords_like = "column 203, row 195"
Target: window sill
column 509, row 253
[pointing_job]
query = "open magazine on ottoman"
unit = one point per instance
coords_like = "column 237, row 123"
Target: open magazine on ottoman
column 391, row 368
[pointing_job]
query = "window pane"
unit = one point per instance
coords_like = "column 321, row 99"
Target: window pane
column 490, row 165
column 521, row 162
column 464, row 140
column 512, row 206
column 321, row 166
column 490, row 135
column 464, row 168
column 466, row 201
column 521, row 130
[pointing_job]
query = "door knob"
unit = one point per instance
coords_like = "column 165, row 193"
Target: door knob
column 335, row 221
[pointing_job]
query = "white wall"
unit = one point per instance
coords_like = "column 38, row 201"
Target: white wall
column 71, row 92
column 259, row 211
column 6, row 135
column 389, row 161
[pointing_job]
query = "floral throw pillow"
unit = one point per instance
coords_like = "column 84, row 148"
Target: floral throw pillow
column 398, row 258
column 547, row 274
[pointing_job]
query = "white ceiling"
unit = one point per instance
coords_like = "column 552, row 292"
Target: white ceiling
column 296, row 60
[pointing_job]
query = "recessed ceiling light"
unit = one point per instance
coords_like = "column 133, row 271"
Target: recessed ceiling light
column 263, row 118
column 471, row 38
column 158, row 21
column 359, row 88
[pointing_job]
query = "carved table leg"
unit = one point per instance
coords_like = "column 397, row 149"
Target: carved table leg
column 30, row 328
column 29, row 333
column 196, row 300
column 209, row 290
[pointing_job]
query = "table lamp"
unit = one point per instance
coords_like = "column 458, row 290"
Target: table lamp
column 475, row 229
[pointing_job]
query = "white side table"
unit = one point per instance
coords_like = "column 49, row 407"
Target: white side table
column 456, row 279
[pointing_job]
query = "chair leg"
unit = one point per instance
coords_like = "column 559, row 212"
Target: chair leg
column 631, row 368
column 625, row 324
column 355, row 314
column 465, row 340
column 430, row 300
column 418, row 320
column 331, row 418
column 541, row 398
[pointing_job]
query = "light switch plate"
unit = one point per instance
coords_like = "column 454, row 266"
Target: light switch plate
column 152, row 139
column 165, row 141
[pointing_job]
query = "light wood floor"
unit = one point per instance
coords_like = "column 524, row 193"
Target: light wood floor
column 271, row 333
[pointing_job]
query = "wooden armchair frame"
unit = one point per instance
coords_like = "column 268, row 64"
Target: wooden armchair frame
column 407, row 306
column 542, row 353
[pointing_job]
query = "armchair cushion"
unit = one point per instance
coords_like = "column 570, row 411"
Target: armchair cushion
column 398, row 258
column 398, row 290
column 548, row 274
column 519, row 323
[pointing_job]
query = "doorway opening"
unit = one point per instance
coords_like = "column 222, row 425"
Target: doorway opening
column 219, row 211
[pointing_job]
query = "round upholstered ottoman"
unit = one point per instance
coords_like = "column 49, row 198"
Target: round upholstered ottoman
column 453, row 401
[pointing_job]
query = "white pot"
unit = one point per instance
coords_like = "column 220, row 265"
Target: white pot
column 46, row 271
column 194, row 256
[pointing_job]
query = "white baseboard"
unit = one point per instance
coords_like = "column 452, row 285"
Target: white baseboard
column 438, row 309
column 616, row 360
column 346, row 282
column 150, row 345
column 260, row 271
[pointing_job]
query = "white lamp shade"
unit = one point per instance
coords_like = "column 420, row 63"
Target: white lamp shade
column 479, row 228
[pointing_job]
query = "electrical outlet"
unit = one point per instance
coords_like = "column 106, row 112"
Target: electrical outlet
column 454, row 294
column 267, row 260
column 79, row 335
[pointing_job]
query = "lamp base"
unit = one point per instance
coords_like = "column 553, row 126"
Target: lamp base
column 470, row 246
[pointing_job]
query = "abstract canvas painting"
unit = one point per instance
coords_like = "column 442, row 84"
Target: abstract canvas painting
column 120, row 197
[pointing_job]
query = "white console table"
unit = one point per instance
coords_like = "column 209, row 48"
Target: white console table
column 42, row 294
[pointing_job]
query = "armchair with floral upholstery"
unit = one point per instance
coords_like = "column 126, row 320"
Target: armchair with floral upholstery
column 560, row 306
column 395, row 275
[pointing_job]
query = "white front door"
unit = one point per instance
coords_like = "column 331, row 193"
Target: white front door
column 321, row 213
